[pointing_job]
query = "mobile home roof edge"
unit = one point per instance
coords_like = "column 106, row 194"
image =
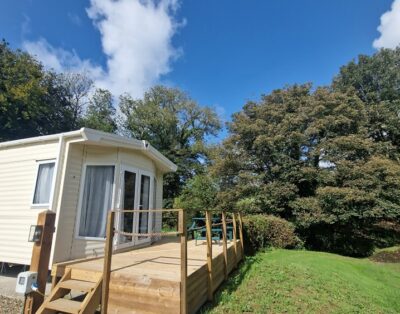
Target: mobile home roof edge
column 116, row 140
column 39, row 139
column 101, row 138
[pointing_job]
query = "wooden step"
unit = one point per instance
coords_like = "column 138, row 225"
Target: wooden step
column 64, row 306
column 85, row 275
column 77, row 285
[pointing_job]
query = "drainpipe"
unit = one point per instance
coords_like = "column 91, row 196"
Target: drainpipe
column 56, row 190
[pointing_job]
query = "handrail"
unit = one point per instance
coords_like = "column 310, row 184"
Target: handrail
column 108, row 251
column 145, row 210
column 182, row 233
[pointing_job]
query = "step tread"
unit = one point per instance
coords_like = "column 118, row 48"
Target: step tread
column 85, row 275
column 78, row 285
column 64, row 305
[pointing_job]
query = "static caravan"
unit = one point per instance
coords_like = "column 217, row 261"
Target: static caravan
column 79, row 175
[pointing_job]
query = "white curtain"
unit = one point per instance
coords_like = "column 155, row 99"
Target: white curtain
column 43, row 183
column 96, row 201
column 144, row 201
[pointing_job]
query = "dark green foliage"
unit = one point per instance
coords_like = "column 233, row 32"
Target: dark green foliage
column 36, row 102
column 263, row 231
column 31, row 100
column 309, row 157
column 376, row 80
column 198, row 194
column 177, row 126
column 100, row 114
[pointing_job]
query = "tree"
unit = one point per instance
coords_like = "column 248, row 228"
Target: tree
column 376, row 80
column 32, row 102
column 174, row 124
column 100, row 114
column 198, row 194
column 20, row 86
column 77, row 87
column 308, row 157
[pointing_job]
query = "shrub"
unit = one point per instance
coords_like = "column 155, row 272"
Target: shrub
column 263, row 231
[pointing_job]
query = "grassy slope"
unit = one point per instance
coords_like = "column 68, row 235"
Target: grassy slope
column 283, row 281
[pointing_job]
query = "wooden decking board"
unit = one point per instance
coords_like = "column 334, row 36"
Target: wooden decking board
column 147, row 280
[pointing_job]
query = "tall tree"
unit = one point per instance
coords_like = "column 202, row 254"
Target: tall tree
column 309, row 157
column 32, row 102
column 376, row 80
column 77, row 87
column 175, row 125
column 100, row 113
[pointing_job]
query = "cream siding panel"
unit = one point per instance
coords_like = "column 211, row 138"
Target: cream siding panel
column 92, row 155
column 136, row 160
column 18, row 168
column 68, row 245
column 69, row 203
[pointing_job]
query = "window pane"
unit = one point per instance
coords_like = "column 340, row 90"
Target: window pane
column 43, row 183
column 96, row 200
column 129, row 202
column 144, row 204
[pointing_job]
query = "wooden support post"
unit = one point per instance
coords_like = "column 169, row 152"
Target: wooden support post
column 183, row 232
column 108, row 250
column 54, row 279
column 235, row 238
column 241, row 234
column 209, row 255
column 40, row 260
column 225, row 246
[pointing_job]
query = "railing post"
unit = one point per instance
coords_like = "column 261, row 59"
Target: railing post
column 183, row 235
column 40, row 260
column 241, row 234
column 225, row 248
column 235, row 238
column 107, row 262
column 209, row 255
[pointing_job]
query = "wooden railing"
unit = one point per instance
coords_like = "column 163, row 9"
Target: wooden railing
column 235, row 217
column 182, row 233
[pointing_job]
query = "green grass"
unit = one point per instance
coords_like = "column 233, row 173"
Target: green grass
column 283, row 281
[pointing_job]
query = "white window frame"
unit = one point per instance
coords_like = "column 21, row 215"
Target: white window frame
column 38, row 163
column 119, row 218
column 81, row 189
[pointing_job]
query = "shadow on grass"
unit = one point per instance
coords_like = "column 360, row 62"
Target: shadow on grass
column 228, row 287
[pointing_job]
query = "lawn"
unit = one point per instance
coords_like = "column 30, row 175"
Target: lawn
column 284, row 281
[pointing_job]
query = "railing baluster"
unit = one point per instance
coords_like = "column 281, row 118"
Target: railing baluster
column 209, row 256
column 225, row 246
column 107, row 262
column 235, row 238
column 183, row 232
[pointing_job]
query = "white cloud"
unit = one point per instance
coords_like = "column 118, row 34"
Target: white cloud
column 389, row 28
column 62, row 60
column 136, row 38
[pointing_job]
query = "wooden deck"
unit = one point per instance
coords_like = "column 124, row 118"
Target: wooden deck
column 147, row 280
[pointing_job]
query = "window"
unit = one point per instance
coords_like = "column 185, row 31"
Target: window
column 44, row 180
column 96, row 201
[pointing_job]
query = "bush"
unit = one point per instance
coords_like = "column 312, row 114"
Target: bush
column 263, row 231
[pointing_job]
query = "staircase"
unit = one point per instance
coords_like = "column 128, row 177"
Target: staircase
column 85, row 283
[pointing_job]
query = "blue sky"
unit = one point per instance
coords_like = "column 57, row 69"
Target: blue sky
column 222, row 52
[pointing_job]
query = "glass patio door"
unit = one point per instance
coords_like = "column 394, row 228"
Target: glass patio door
column 136, row 189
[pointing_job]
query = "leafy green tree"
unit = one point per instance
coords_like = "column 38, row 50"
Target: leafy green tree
column 376, row 80
column 308, row 157
column 174, row 124
column 100, row 114
column 22, row 112
column 32, row 101
column 198, row 194
column 77, row 87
